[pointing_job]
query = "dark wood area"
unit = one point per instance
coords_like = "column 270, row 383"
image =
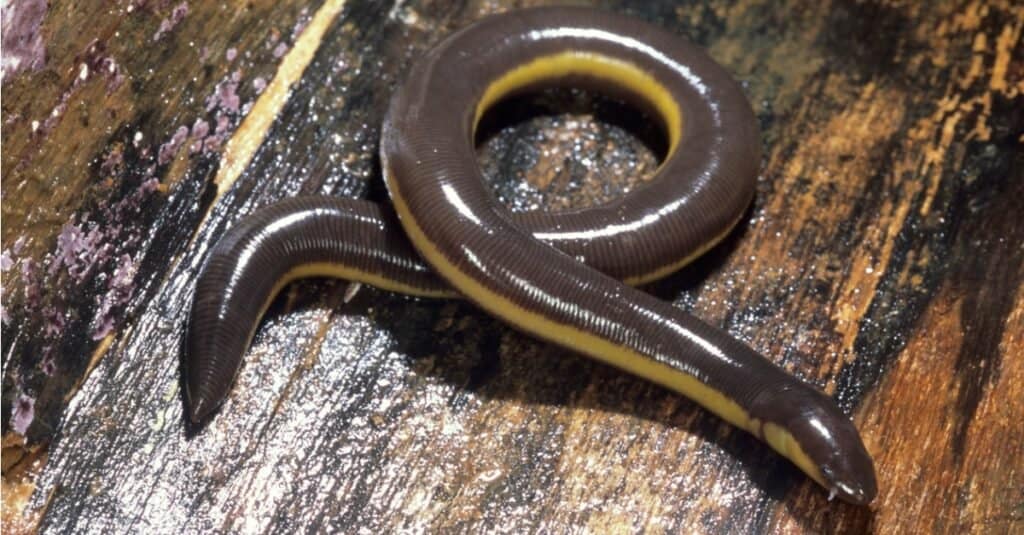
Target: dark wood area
column 882, row 261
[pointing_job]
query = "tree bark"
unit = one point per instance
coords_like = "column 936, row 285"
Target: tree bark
column 881, row 261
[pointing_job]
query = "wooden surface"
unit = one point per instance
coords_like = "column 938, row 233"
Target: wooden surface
column 881, row 261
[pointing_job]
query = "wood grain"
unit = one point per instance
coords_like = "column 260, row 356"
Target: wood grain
column 882, row 261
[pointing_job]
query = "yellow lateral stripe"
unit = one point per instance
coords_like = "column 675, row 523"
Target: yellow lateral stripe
column 783, row 442
column 341, row 271
column 618, row 72
column 567, row 335
column 600, row 349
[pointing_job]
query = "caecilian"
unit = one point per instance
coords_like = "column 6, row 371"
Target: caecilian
column 567, row 278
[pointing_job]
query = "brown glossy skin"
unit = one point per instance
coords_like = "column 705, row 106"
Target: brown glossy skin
column 572, row 293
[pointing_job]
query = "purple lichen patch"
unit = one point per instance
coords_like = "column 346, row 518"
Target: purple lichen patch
column 223, row 124
column 23, row 48
column 93, row 253
column 7, row 261
column 79, row 290
column 48, row 365
column 84, row 285
column 30, row 276
column 225, row 96
column 280, row 48
column 55, row 321
column 166, row 25
column 23, row 413
column 200, row 130
column 82, row 289
column 113, row 162
column 79, row 248
column 168, row 150
column 300, row 23
column 110, row 67
column 94, row 62
column 119, row 291
column 226, row 106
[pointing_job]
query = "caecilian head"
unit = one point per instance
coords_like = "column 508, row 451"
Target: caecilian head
column 809, row 429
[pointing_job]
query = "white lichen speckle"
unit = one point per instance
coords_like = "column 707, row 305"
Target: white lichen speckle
column 166, row 25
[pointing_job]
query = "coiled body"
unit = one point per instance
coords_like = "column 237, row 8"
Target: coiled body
column 561, row 277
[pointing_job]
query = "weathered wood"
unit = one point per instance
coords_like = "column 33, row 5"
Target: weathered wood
column 882, row 261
